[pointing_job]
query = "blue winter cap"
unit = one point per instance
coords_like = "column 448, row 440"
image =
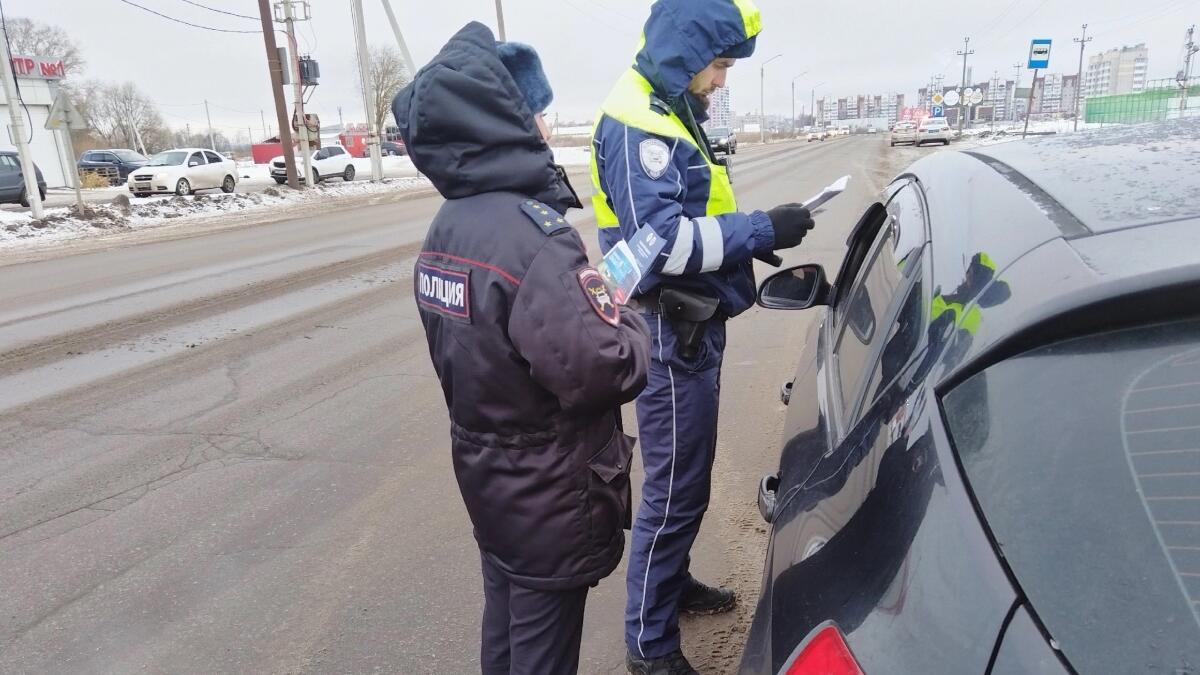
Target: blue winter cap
column 523, row 64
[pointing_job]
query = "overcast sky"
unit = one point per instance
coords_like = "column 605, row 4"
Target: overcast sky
column 846, row 47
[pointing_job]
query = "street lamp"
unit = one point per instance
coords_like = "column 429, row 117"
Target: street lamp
column 792, row 126
column 762, row 111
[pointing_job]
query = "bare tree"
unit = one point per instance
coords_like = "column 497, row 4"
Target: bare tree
column 31, row 38
column 388, row 75
column 122, row 115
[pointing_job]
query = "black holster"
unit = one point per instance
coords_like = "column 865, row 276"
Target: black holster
column 688, row 312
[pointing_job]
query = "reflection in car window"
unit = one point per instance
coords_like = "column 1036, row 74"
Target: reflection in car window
column 906, row 214
column 8, row 163
column 168, row 158
column 863, row 316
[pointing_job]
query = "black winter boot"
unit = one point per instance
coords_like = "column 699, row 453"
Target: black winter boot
column 698, row 598
column 671, row 664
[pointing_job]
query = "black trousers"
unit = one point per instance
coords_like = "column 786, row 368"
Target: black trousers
column 528, row 632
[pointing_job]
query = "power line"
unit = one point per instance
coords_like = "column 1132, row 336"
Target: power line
column 186, row 23
column 219, row 11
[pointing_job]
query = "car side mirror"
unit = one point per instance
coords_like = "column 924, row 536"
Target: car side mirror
column 795, row 288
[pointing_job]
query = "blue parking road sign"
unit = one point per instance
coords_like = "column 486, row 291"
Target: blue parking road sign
column 939, row 111
column 1039, row 54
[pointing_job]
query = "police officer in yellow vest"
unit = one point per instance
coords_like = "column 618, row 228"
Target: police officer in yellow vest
column 658, row 186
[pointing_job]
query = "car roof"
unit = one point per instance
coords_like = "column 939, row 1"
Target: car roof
column 1064, row 275
column 1114, row 178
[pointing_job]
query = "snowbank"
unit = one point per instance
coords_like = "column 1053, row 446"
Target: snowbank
column 68, row 223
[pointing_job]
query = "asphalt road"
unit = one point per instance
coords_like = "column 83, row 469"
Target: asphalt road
column 228, row 452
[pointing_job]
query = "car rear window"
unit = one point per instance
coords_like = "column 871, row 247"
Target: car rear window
column 1084, row 458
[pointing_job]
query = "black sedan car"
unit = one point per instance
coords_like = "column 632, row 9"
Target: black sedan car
column 992, row 449
column 115, row 164
column 722, row 139
column 12, row 179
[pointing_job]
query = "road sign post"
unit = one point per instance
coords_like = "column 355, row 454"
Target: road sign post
column 63, row 119
column 1039, row 58
column 1029, row 104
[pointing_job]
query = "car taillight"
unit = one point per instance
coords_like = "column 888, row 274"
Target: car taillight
column 825, row 653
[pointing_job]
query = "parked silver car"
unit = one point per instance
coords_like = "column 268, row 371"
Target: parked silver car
column 903, row 132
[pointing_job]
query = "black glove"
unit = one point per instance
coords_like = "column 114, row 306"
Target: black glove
column 790, row 222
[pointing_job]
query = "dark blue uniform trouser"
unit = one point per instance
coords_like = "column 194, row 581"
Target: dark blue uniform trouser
column 677, row 428
column 529, row 632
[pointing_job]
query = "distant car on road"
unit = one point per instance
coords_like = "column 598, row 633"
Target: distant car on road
column 872, row 130
column 331, row 161
column 933, row 130
column 990, row 453
column 722, row 139
column 387, row 149
column 104, row 162
column 818, row 135
column 12, row 180
column 903, row 132
column 184, row 171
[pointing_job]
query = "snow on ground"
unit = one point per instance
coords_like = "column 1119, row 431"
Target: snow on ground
column 573, row 156
column 17, row 229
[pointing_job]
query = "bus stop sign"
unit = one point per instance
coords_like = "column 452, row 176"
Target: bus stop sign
column 1039, row 54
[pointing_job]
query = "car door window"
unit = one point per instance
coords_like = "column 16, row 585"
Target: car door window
column 872, row 315
column 197, row 158
column 8, row 164
column 212, row 157
column 334, row 152
column 108, row 157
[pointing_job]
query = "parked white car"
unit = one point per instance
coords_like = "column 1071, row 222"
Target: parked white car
column 331, row 161
column 933, row 130
column 183, row 171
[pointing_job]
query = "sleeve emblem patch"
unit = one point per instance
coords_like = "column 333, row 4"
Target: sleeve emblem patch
column 655, row 156
column 598, row 295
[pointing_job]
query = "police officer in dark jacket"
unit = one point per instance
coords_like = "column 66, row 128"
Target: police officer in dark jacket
column 534, row 356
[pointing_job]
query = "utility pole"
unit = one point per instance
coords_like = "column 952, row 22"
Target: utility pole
column 408, row 61
column 1189, row 50
column 500, row 20
column 289, row 18
column 1012, row 113
column 212, row 143
column 276, row 71
column 762, row 110
column 263, row 116
column 966, row 51
column 364, row 72
column 1082, row 40
column 16, row 113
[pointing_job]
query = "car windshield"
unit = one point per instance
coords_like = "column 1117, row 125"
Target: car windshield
column 1095, row 499
column 168, row 158
column 129, row 156
column 720, row 132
